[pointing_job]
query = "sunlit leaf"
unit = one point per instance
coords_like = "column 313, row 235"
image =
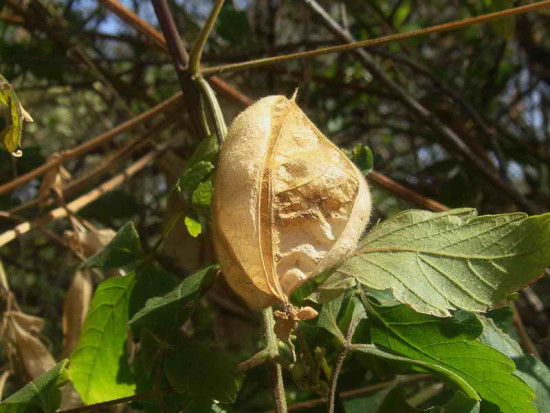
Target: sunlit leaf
column 11, row 134
column 452, row 345
column 99, row 369
column 436, row 262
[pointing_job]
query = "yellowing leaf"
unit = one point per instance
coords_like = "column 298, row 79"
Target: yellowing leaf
column 11, row 134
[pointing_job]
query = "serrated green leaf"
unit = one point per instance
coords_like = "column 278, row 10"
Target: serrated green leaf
column 193, row 225
column 11, row 134
column 429, row 339
column 99, row 369
column 193, row 176
column 395, row 402
column 202, row 195
column 42, row 394
column 195, row 369
column 436, row 262
column 188, row 289
column 123, row 249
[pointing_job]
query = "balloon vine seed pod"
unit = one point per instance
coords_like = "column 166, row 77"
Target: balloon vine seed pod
column 288, row 204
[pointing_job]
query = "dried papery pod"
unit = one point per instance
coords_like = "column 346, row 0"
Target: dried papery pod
column 89, row 241
column 288, row 203
column 75, row 308
column 20, row 331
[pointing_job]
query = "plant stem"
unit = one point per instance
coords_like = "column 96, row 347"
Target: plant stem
column 276, row 371
column 196, row 53
column 377, row 41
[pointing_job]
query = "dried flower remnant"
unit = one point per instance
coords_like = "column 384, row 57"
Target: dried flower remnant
column 288, row 203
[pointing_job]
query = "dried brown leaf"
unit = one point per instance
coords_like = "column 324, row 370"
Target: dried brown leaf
column 75, row 308
column 288, row 203
column 24, row 347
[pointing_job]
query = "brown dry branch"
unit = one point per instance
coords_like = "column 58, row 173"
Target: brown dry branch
column 105, row 166
column 377, row 41
column 412, row 104
column 91, row 144
column 401, row 380
column 83, row 200
column 128, row 16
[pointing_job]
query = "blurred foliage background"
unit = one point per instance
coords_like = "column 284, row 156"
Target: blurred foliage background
column 80, row 71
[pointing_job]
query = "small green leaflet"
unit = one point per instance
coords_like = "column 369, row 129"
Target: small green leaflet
column 188, row 289
column 446, row 344
column 98, row 369
column 437, row 262
column 123, row 249
column 362, row 158
column 11, row 134
column 193, row 225
column 42, row 394
column 202, row 195
column 195, row 369
column 194, row 175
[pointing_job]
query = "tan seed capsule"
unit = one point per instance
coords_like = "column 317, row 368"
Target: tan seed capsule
column 288, row 203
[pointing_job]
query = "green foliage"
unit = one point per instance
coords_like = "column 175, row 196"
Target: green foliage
column 195, row 369
column 194, row 175
column 362, row 158
column 452, row 345
column 188, row 290
column 436, row 262
column 42, row 394
column 99, row 368
column 124, row 249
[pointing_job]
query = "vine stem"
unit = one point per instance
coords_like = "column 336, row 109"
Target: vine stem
column 331, row 402
column 377, row 41
column 276, row 371
column 196, row 52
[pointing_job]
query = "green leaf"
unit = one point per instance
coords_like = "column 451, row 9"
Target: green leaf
column 202, row 195
column 367, row 404
column 99, row 369
column 533, row 371
column 187, row 290
column 153, row 282
column 194, row 175
column 206, row 151
column 328, row 318
column 202, row 373
column 193, row 225
column 436, row 262
column 362, row 158
column 11, row 134
column 42, row 394
column 453, row 347
column 123, row 249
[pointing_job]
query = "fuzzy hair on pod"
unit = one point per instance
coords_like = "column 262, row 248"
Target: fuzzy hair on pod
column 288, row 203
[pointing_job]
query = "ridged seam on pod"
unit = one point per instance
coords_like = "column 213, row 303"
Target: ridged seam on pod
column 288, row 204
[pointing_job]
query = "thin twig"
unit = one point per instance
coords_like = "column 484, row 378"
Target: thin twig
column 91, row 144
column 84, row 200
column 358, row 392
column 523, row 333
column 409, row 101
column 196, row 52
column 377, row 41
column 340, row 358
